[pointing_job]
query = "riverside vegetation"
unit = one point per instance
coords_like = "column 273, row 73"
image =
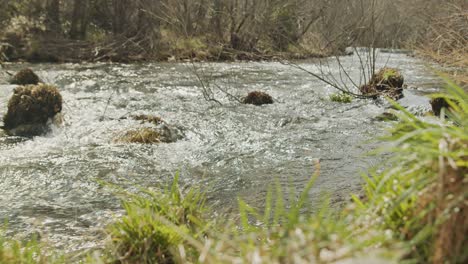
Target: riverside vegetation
column 414, row 211
column 125, row 30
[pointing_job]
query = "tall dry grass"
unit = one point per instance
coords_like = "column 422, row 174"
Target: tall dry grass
column 446, row 42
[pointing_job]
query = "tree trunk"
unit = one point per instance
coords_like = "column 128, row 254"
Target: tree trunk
column 52, row 20
column 79, row 22
column 84, row 20
column 217, row 18
column 120, row 19
column 188, row 17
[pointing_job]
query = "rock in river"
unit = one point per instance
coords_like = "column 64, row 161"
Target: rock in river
column 25, row 77
column 30, row 108
column 257, row 98
column 387, row 82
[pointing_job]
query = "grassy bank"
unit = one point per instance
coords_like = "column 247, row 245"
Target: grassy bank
column 414, row 211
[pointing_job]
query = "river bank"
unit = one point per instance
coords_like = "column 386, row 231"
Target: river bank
column 45, row 48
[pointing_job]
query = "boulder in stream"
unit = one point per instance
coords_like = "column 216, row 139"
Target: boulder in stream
column 25, row 77
column 30, row 108
column 257, row 98
column 387, row 82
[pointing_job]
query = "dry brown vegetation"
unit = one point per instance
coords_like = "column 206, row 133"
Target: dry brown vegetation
column 442, row 205
column 446, row 40
column 142, row 135
column 452, row 235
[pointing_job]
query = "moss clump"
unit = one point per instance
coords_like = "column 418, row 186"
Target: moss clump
column 341, row 98
column 144, row 135
column 156, row 131
column 389, row 77
column 257, row 98
column 32, row 106
column 25, row 77
column 388, row 82
column 148, row 119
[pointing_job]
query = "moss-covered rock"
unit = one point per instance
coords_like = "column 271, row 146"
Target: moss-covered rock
column 161, row 133
column 387, row 81
column 257, row 98
column 388, row 78
column 30, row 108
column 25, row 77
column 144, row 135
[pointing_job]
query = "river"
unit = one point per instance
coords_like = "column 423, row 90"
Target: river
column 51, row 185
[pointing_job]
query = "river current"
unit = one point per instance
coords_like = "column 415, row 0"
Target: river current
column 51, row 185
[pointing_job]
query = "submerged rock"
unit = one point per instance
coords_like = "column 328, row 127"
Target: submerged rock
column 144, row 135
column 388, row 82
column 30, row 108
column 148, row 119
column 257, row 98
column 25, row 77
column 386, row 116
column 162, row 133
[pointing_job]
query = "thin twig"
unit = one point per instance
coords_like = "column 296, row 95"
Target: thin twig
column 322, row 78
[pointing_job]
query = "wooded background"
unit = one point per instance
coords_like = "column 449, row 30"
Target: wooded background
column 213, row 29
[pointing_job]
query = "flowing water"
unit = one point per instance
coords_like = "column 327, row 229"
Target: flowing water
column 51, row 185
